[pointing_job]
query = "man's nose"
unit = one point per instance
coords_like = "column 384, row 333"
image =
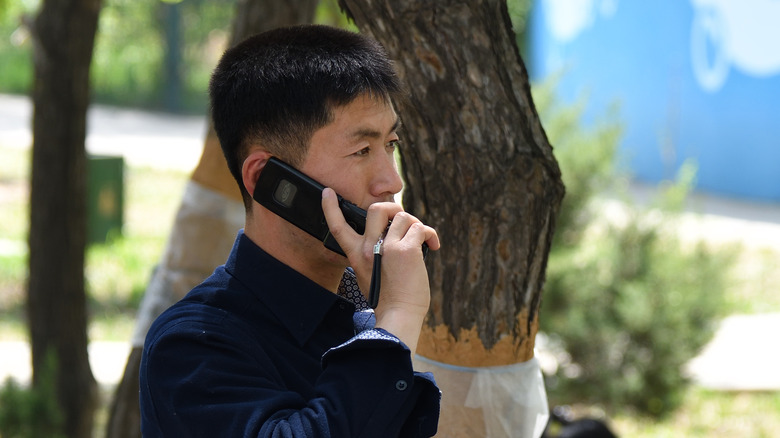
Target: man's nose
column 386, row 181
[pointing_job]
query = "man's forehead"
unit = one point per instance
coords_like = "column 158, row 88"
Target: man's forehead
column 367, row 116
column 362, row 130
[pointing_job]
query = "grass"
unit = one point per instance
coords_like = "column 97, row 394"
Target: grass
column 706, row 413
column 756, row 282
column 117, row 273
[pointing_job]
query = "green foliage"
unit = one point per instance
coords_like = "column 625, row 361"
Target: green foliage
column 127, row 59
column 587, row 158
column 128, row 62
column 328, row 12
column 15, row 46
column 519, row 11
column 626, row 302
column 32, row 412
column 128, row 65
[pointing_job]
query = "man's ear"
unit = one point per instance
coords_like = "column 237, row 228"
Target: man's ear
column 253, row 165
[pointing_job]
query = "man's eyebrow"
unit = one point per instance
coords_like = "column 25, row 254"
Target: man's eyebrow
column 397, row 124
column 373, row 133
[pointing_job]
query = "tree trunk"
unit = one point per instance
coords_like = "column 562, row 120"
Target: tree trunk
column 189, row 259
column 479, row 169
column 64, row 33
column 478, row 164
column 255, row 16
column 173, row 71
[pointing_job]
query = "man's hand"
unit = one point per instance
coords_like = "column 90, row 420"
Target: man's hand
column 405, row 292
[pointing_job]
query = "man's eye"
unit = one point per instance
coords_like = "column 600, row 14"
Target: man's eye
column 393, row 145
column 363, row 151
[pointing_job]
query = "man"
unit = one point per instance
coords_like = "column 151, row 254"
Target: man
column 269, row 345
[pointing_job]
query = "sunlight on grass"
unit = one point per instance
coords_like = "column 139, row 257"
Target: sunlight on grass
column 117, row 273
column 14, row 192
column 112, row 326
column 152, row 199
column 756, row 282
column 706, row 413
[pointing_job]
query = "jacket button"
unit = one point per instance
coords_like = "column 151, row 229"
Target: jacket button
column 401, row 385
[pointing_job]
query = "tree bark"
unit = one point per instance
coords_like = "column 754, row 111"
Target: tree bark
column 64, row 33
column 255, row 16
column 479, row 169
column 252, row 16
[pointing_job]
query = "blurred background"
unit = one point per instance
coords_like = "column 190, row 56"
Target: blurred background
column 661, row 302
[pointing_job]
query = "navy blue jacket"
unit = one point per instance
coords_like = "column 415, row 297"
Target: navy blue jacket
column 259, row 350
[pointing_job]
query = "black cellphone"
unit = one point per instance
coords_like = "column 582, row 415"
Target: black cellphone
column 297, row 198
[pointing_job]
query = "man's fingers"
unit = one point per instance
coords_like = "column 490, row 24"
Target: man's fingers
column 408, row 227
column 405, row 226
column 341, row 231
column 431, row 237
column 379, row 214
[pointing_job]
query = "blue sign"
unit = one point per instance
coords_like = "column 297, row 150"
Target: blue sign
column 694, row 79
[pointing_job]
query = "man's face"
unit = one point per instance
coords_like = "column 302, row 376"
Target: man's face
column 354, row 153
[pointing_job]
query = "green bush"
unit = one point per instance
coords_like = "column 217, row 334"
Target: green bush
column 16, row 72
column 31, row 412
column 626, row 302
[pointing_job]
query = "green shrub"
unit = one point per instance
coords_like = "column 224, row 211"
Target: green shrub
column 31, row 412
column 626, row 302
column 15, row 47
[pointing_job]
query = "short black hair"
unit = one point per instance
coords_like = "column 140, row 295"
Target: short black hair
column 278, row 87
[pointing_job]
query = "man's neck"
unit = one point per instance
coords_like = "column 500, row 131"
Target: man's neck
column 296, row 249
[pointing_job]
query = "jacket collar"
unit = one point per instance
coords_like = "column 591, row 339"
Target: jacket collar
column 298, row 303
